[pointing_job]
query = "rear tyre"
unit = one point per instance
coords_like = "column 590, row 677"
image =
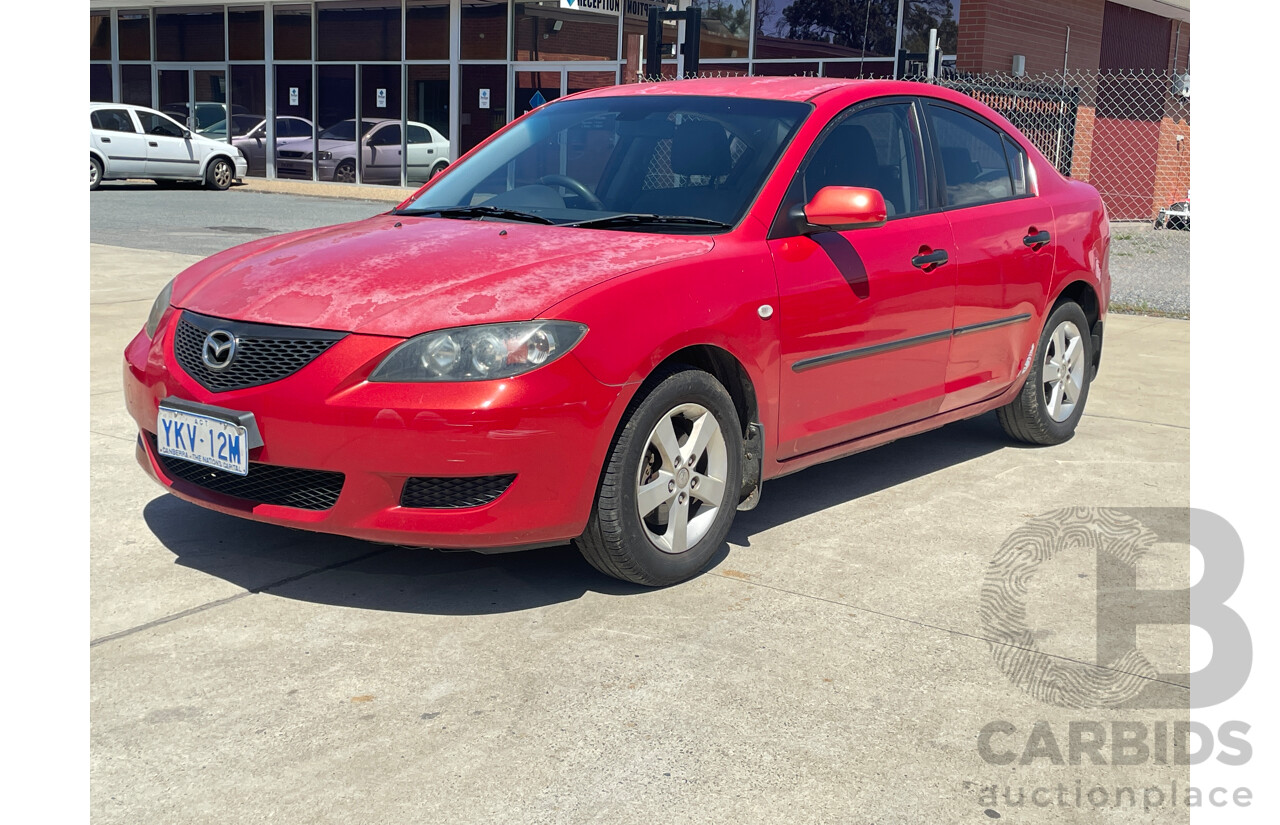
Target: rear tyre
column 1053, row 397
column 437, row 169
column 220, row 174
column 670, row 486
column 95, row 173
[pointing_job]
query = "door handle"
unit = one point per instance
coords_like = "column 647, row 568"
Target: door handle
column 1037, row 240
column 929, row 261
column 152, row 143
column 105, row 140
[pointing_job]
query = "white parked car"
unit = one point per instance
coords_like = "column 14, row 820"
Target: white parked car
column 379, row 149
column 136, row 142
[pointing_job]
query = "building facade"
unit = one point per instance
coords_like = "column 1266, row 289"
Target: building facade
column 464, row 68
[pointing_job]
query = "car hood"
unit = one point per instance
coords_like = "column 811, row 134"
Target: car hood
column 337, row 147
column 405, row 275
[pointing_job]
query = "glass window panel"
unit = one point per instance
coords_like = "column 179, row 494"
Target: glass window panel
column 726, row 27
column 878, row 148
column 380, row 101
column 429, row 96
column 785, row 69
column 135, row 38
column 818, row 28
column 428, row 30
column 191, row 35
column 919, row 16
column 294, row 137
column 135, row 84
column 544, row 31
column 358, row 32
column 337, row 142
column 478, row 123
column 245, row 38
column 99, row 36
column 484, row 29
column 249, row 102
column 154, row 123
column 1017, row 165
column 858, row 68
column 634, row 31
column 100, row 82
column 292, row 28
column 112, row 120
column 973, row 158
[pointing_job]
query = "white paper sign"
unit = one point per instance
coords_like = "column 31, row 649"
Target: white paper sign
column 382, row 98
column 484, row 98
column 293, row 95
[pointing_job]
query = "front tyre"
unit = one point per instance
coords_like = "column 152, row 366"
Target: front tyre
column 220, row 174
column 1052, row 400
column 671, row 484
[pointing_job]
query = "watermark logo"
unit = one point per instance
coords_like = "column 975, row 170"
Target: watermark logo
column 1121, row 675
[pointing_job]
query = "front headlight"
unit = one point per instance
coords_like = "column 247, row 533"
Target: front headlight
column 479, row 353
column 326, row 156
column 158, row 308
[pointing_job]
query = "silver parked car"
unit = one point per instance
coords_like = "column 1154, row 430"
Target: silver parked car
column 380, row 152
column 128, row 141
column 249, row 135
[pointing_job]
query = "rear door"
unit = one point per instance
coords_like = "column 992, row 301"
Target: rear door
column 169, row 154
column 115, row 134
column 1004, row 250
column 865, row 321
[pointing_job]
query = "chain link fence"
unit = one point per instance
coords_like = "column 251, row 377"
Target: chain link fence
column 1128, row 133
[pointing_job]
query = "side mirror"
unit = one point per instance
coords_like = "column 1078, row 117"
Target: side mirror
column 186, row 134
column 842, row 207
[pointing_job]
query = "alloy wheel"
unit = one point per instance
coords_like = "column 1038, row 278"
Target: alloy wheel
column 1062, row 375
column 680, row 484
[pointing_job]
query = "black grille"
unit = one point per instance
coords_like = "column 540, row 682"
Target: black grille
column 293, row 153
column 265, row 484
column 263, row 353
column 453, row 492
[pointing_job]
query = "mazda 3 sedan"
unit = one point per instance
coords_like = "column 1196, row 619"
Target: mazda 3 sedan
column 616, row 318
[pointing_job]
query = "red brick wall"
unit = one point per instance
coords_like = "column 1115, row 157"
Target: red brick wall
column 993, row 31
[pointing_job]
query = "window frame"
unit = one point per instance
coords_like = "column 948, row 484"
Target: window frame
column 1004, row 137
column 115, row 109
column 784, row 227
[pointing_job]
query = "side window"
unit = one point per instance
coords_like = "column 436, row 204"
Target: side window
column 973, row 159
column 157, row 124
column 388, row 135
column 418, row 134
column 877, row 148
column 112, row 120
column 291, row 127
column 1017, row 165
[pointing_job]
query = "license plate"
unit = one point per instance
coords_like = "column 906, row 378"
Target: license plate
column 204, row 440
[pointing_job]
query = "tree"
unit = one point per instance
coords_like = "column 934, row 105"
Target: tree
column 870, row 26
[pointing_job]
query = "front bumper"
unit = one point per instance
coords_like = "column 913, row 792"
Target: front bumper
column 550, row 428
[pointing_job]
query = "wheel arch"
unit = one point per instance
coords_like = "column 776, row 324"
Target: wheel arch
column 734, row 377
column 1084, row 294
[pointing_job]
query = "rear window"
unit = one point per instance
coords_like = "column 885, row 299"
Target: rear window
column 112, row 120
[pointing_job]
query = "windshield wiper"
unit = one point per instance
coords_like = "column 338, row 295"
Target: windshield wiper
column 478, row 212
column 648, row 219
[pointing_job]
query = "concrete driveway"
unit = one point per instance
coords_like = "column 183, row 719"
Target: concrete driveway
column 830, row 667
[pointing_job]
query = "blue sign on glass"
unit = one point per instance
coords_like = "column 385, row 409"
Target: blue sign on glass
column 537, row 100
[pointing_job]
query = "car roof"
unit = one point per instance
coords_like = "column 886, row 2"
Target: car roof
column 770, row 88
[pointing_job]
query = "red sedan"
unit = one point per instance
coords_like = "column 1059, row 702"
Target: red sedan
column 621, row 314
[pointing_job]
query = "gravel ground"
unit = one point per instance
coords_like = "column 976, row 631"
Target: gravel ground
column 1150, row 270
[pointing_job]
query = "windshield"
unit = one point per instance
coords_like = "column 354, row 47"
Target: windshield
column 346, row 130
column 587, row 161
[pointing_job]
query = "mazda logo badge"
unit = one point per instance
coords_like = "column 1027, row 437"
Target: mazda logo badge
column 219, row 349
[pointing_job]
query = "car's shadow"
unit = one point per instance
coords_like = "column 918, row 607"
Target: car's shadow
column 132, row 185
column 349, row 573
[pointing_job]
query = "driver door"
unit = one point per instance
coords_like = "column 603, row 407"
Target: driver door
column 169, row 154
column 865, row 317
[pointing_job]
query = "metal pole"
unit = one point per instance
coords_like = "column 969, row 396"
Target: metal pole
column 269, row 57
column 933, row 47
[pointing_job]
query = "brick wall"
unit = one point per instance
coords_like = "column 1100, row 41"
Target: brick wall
column 993, row 31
